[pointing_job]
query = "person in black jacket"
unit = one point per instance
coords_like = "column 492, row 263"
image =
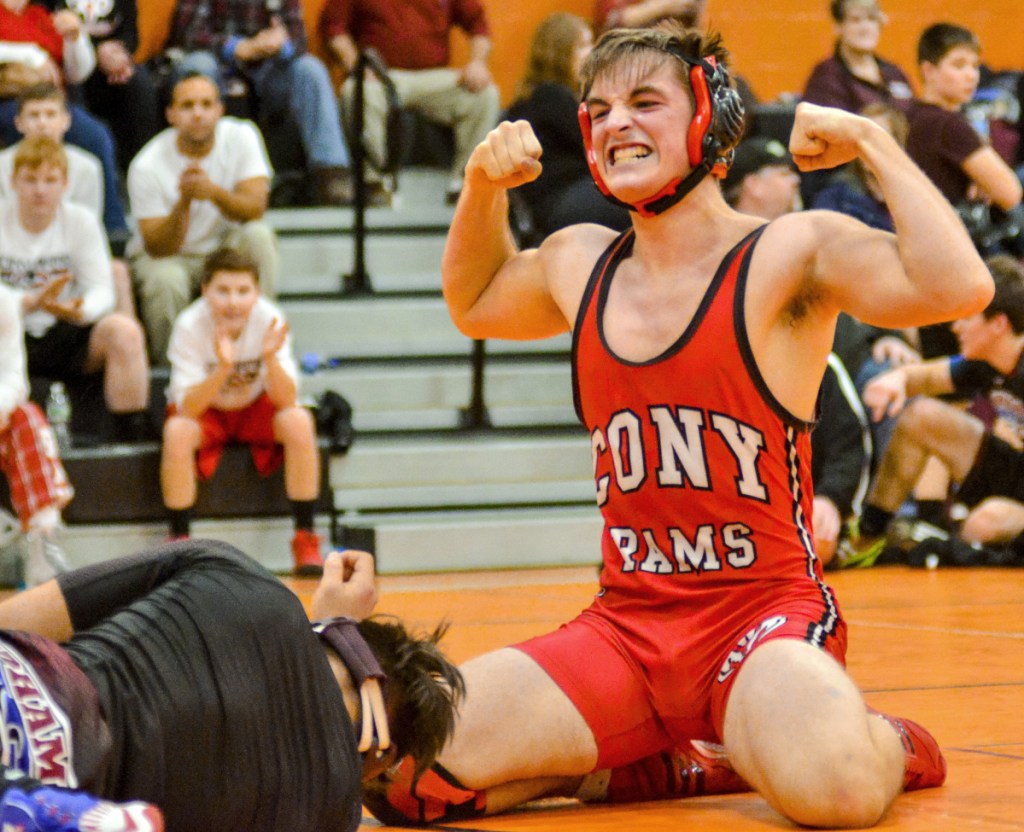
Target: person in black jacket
column 841, row 458
column 189, row 678
column 119, row 91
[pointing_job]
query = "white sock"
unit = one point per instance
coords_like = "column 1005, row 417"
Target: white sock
column 45, row 520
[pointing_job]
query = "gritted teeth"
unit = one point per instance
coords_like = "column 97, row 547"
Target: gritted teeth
column 627, row 152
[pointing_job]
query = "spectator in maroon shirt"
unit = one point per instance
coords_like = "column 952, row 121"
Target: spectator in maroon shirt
column 941, row 140
column 855, row 76
column 412, row 37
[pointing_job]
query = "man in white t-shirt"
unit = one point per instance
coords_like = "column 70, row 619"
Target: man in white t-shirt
column 202, row 183
column 55, row 255
column 234, row 379
column 43, row 111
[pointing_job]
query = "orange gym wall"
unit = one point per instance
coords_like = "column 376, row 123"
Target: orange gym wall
column 775, row 42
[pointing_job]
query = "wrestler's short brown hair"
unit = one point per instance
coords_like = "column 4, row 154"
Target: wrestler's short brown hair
column 650, row 48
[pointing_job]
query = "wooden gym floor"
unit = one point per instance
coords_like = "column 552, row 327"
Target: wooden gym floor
column 945, row 648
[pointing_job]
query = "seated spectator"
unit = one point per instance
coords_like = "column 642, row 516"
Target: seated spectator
column 635, row 14
column 265, row 44
column 855, row 75
column 54, row 254
column 43, row 111
column 548, row 98
column 982, row 450
column 841, row 454
column 762, row 180
column 945, row 145
column 57, row 49
column 412, row 37
column 941, row 140
column 28, row 453
column 201, row 183
column 855, row 191
column 234, row 379
column 119, row 91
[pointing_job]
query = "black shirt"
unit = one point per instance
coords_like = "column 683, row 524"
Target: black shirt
column 221, row 704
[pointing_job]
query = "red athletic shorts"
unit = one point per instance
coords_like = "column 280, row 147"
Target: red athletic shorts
column 646, row 683
column 252, row 425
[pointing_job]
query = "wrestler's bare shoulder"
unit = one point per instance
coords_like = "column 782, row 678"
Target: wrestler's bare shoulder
column 576, row 247
column 799, row 235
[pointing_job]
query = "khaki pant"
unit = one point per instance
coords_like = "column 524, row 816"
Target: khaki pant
column 437, row 95
column 166, row 285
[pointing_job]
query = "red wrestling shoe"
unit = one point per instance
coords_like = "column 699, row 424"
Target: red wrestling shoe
column 699, row 769
column 925, row 767
column 306, row 553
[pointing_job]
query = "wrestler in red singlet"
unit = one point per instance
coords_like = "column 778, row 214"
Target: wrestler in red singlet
column 704, row 481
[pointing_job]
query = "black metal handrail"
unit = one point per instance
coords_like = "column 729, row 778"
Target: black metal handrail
column 358, row 280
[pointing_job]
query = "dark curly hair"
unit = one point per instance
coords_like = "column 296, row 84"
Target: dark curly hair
column 423, row 687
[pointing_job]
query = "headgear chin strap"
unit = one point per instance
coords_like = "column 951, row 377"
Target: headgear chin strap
column 714, row 132
column 368, row 678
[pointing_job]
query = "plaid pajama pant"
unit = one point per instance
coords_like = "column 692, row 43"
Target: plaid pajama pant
column 29, row 460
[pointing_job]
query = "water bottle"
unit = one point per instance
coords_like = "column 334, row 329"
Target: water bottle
column 58, row 414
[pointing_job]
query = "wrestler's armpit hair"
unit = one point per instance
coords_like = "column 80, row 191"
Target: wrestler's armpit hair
column 423, row 687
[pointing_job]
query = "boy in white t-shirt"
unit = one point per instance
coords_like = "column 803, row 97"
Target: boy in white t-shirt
column 49, row 243
column 234, row 379
column 43, row 111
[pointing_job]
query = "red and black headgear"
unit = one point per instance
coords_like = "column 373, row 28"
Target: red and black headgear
column 716, row 129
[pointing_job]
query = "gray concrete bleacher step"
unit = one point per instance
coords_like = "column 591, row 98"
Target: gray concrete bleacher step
column 375, row 326
column 403, row 542
column 407, row 262
column 267, row 539
column 486, row 539
column 420, row 395
column 403, row 243
column 482, row 469
column 424, row 502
